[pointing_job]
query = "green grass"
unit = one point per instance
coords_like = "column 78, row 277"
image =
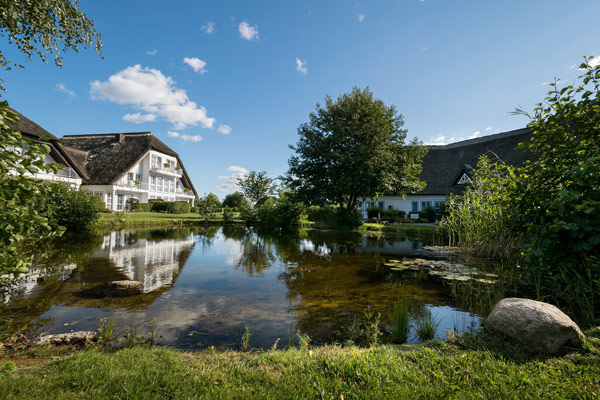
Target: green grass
column 403, row 229
column 131, row 219
column 478, row 368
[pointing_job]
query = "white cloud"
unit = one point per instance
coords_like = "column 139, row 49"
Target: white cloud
column 196, row 64
column 148, row 90
column 224, row 129
column 139, row 118
column 209, row 28
column 62, row 88
column 489, row 128
column 301, row 66
column 184, row 137
column 248, row 32
column 474, row 135
column 361, row 17
column 594, row 62
column 152, row 52
column 230, row 184
column 439, row 140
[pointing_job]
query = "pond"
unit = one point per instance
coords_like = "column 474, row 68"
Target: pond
column 202, row 284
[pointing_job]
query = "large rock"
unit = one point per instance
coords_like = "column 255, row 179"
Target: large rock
column 118, row 289
column 73, row 338
column 541, row 326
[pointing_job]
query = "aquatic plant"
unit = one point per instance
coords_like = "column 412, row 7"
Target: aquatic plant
column 426, row 325
column 303, row 340
column 371, row 326
column 244, row 335
column 106, row 329
column 400, row 324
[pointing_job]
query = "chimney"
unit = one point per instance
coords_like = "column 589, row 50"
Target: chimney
column 120, row 137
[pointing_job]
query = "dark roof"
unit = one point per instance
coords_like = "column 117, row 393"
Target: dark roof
column 58, row 151
column 107, row 157
column 444, row 165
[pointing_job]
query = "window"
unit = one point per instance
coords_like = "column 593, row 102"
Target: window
column 390, row 207
column 381, row 205
column 425, row 204
column 156, row 161
column 109, row 200
column 464, row 179
column 120, row 202
column 415, row 206
column 130, row 176
column 138, row 177
column 152, row 182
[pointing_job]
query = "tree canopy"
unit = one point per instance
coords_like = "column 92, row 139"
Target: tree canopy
column 45, row 27
column 256, row 187
column 234, row 200
column 353, row 148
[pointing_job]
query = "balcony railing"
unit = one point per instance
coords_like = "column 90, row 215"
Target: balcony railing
column 132, row 186
column 169, row 169
column 64, row 175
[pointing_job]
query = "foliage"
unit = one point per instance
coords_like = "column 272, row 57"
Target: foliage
column 213, row 201
column 426, row 325
column 281, row 212
column 256, row 187
column 244, row 335
column 45, row 27
column 400, row 325
column 428, row 214
column 170, row 207
column 353, row 148
column 20, row 158
column 234, row 200
column 205, row 207
column 386, row 215
column 228, row 215
column 143, row 207
column 132, row 204
column 546, row 212
column 68, row 207
column 325, row 216
column 371, row 326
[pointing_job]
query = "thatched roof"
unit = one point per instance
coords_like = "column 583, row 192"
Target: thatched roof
column 107, row 157
column 444, row 165
column 33, row 131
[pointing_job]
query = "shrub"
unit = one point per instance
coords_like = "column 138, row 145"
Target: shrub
column 143, row 207
column 323, row 215
column 132, row 204
column 194, row 210
column 68, row 207
column 428, row 214
column 228, row 215
column 170, row 207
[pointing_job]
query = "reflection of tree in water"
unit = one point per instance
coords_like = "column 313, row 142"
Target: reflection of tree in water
column 258, row 253
column 205, row 235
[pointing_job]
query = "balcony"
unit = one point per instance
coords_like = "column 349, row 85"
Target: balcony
column 166, row 169
column 132, row 186
column 183, row 193
column 64, row 175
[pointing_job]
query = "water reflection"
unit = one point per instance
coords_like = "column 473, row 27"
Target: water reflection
column 202, row 284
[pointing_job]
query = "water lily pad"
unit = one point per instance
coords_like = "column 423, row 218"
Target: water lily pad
column 458, row 278
column 388, row 264
column 407, row 262
column 394, row 261
column 485, row 281
column 436, row 273
column 399, row 269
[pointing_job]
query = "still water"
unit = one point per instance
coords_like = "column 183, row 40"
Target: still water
column 202, row 284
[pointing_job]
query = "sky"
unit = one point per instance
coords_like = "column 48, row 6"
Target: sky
column 226, row 84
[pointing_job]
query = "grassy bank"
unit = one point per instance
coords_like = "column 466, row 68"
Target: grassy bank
column 474, row 368
column 137, row 219
column 400, row 229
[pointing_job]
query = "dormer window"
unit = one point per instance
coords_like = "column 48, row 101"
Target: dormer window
column 464, row 179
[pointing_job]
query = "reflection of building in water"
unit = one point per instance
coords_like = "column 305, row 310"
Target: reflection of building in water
column 155, row 263
column 28, row 283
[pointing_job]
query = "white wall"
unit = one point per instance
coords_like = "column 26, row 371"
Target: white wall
column 404, row 204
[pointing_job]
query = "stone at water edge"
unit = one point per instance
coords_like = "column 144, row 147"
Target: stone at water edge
column 541, row 326
column 80, row 337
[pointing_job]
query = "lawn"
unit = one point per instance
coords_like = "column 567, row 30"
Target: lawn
column 129, row 219
column 473, row 368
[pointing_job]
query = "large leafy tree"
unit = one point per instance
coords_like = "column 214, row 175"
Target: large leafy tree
column 45, row 28
column 353, row 148
column 234, row 200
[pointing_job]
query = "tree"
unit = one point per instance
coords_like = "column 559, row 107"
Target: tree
column 256, row 187
column 233, row 200
column 213, row 201
column 351, row 149
column 20, row 158
column 42, row 27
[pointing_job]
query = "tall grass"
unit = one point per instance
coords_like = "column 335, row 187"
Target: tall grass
column 426, row 325
column 400, row 324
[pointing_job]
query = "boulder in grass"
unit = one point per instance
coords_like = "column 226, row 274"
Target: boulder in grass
column 71, row 338
column 541, row 326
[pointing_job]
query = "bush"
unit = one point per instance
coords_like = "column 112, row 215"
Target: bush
column 428, row 214
column 194, row 210
column 132, row 204
column 143, row 207
column 348, row 218
column 228, row 215
column 170, row 207
column 281, row 212
column 68, row 207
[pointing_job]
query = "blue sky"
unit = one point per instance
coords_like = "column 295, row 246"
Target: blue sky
column 227, row 83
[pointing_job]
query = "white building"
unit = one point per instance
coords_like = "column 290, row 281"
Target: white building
column 69, row 173
column 446, row 170
column 119, row 166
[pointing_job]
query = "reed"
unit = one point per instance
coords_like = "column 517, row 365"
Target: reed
column 400, row 325
column 426, row 325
